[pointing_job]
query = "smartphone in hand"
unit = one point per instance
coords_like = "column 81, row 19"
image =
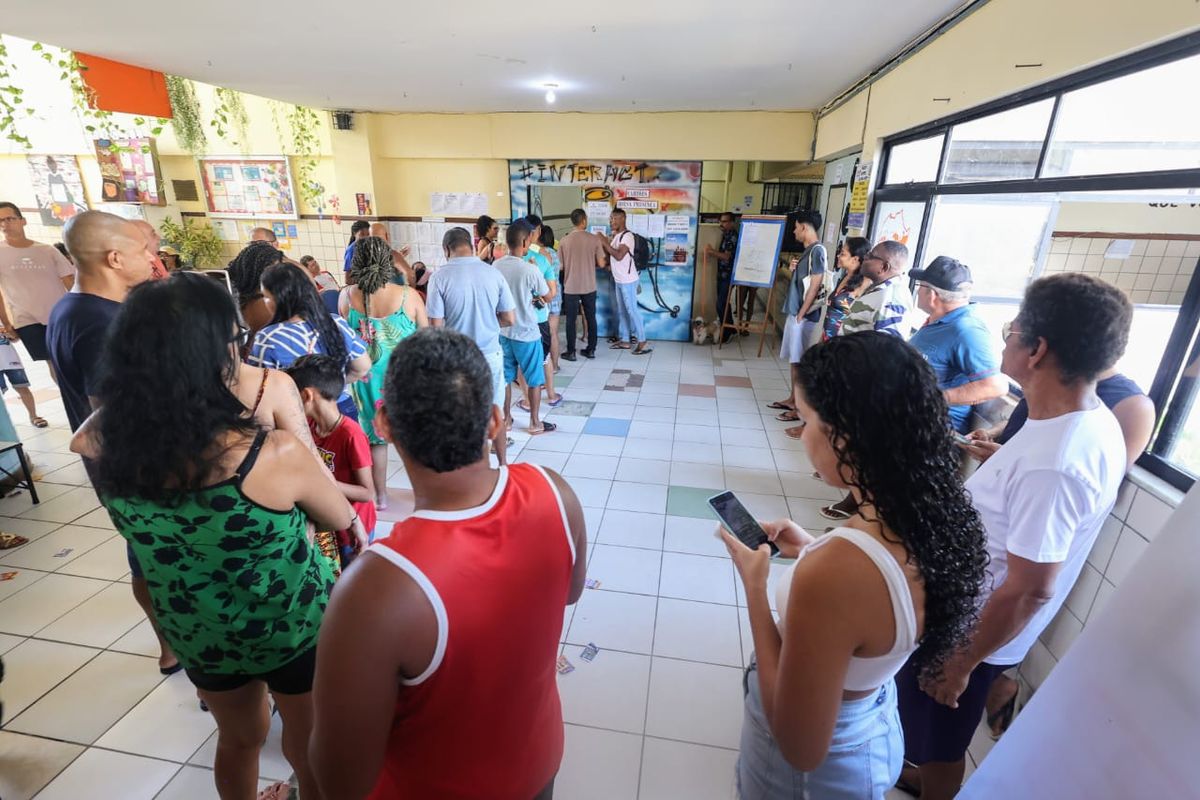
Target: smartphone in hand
column 740, row 522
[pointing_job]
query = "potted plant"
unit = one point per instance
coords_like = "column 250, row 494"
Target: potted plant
column 197, row 243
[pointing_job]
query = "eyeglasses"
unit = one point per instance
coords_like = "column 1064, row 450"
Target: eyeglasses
column 1007, row 330
column 242, row 336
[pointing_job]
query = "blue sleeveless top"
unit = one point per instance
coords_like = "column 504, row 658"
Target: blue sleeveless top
column 1110, row 391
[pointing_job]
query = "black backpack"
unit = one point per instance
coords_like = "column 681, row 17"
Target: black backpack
column 640, row 251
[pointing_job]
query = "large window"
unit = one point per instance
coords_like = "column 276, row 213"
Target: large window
column 1098, row 173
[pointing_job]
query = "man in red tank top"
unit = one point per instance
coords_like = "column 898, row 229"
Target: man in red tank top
column 436, row 662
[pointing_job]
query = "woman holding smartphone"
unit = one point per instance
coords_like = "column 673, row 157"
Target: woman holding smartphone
column 900, row 578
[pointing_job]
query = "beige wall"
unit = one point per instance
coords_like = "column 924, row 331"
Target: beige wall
column 973, row 62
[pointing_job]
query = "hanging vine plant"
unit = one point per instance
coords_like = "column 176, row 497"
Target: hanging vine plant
column 304, row 124
column 229, row 117
column 187, row 119
column 12, row 101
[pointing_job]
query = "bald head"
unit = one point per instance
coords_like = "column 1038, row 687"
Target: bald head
column 263, row 235
column 149, row 233
column 99, row 241
column 381, row 230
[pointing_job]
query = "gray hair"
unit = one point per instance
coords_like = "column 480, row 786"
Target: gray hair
column 456, row 238
column 948, row 297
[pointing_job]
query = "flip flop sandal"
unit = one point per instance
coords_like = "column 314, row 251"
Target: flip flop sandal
column 999, row 720
column 556, row 403
column 171, row 670
column 643, row 351
column 11, row 540
column 780, row 406
column 788, row 416
column 276, row 791
column 38, row 422
column 795, row 433
column 618, row 346
column 833, row 512
column 524, row 406
column 547, row 427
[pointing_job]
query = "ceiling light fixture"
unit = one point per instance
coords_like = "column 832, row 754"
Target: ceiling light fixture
column 550, row 95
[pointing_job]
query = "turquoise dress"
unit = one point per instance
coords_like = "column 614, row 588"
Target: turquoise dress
column 381, row 336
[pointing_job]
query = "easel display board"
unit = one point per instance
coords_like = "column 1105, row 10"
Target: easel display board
column 760, row 241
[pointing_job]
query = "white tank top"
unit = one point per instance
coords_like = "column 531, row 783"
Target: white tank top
column 865, row 674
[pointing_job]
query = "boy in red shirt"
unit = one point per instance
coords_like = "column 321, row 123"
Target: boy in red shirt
column 340, row 441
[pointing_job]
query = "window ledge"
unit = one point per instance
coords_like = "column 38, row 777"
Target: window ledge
column 1156, row 486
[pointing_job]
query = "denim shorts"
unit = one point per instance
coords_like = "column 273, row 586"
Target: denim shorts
column 864, row 759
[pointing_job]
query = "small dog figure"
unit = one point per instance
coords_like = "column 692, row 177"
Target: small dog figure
column 703, row 333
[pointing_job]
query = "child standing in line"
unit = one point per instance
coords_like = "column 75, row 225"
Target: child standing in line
column 339, row 440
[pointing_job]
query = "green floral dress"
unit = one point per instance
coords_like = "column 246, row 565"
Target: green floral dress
column 382, row 336
column 237, row 588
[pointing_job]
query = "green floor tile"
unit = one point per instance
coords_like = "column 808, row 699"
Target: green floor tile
column 562, row 380
column 689, row 501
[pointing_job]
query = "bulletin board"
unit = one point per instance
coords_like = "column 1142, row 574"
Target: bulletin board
column 129, row 171
column 760, row 241
column 251, row 187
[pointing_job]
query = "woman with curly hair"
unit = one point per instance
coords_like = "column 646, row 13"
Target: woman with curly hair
column 245, row 275
column 899, row 579
column 383, row 314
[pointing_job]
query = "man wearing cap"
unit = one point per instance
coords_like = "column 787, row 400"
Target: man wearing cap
column 955, row 340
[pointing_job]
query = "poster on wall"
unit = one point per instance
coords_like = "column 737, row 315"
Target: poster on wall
column 661, row 200
column 859, row 191
column 257, row 186
column 58, row 187
column 129, row 171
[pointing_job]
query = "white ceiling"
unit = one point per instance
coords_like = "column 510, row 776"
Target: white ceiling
column 471, row 55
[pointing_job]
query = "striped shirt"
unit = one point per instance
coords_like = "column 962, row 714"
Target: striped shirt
column 883, row 307
column 277, row 346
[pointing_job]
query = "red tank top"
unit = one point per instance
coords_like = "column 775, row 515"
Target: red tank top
column 484, row 720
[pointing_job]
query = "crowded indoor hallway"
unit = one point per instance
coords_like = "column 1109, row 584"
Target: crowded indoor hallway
column 644, row 441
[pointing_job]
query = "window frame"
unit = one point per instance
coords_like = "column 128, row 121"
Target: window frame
column 1180, row 341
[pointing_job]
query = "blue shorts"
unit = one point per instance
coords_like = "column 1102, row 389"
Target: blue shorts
column 524, row 355
column 16, row 377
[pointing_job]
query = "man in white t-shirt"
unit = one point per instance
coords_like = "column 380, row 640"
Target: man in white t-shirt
column 1042, row 498
column 625, row 279
column 33, row 277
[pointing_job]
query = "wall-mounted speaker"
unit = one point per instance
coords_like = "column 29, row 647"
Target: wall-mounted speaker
column 343, row 120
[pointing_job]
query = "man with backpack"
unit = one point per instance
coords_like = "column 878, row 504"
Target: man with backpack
column 623, row 264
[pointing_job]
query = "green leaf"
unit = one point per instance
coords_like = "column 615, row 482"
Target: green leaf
column 37, row 47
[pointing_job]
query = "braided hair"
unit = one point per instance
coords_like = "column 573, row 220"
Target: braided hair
column 247, row 267
column 371, row 268
column 889, row 426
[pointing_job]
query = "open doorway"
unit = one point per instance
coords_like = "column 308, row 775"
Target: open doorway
column 554, row 205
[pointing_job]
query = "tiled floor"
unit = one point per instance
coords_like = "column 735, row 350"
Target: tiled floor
column 643, row 441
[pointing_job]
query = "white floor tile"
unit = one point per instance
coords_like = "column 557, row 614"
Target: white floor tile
column 691, row 535
column 22, row 580
column 698, row 632
column 648, row 497
column 581, row 465
column 791, row 461
column 689, row 403
column 625, row 569
column 764, row 506
column 102, row 773
column 690, row 577
column 67, row 507
column 631, row 529
column 28, row 611
column 86, row 704
column 688, row 473
column 557, row 442
column 97, row 519
column 648, row 413
column 698, row 434
column 671, row 770
column 803, row 484
column 109, row 561
column 609, row 692
column 567, row 423
column 17, row 503
column 657, row 449
column 613, row 411
column 8, row 642
column 753, row 480
column 752, row 421
column 30, row 763
column 656, row 400
column 29, row 528
column 744, row 437
column 54, row 550
column 614, row 620
column 73, row 474
column 652, row 430
column 690, row 416
column 591, row 491
column 598, row 765
column 167, row 724
column 644, row 470
column 599, row 445
column 699, row 703
column 697, row 453
column 554, row 461
column 731, row 406
column 140, row 641
column 34, row 667
column 98, row 621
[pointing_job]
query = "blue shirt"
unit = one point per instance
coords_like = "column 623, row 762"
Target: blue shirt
column 75, row 343
column 349, row 256
column 1111, row 391
column 812, row 262
column 549, row 273
column 467, row 294
column 278, row 346
column 961, row 350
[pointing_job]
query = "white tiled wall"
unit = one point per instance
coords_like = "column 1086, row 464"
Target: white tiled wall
column 1156, row 272
column 1136, row 519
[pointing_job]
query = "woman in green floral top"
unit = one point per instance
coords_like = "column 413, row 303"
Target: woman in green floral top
column 216, row 511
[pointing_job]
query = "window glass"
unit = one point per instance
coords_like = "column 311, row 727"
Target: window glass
column 1136, row 123
column 1177, row 439
column 900, row 222
column 915, row 162
column 998, row 147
